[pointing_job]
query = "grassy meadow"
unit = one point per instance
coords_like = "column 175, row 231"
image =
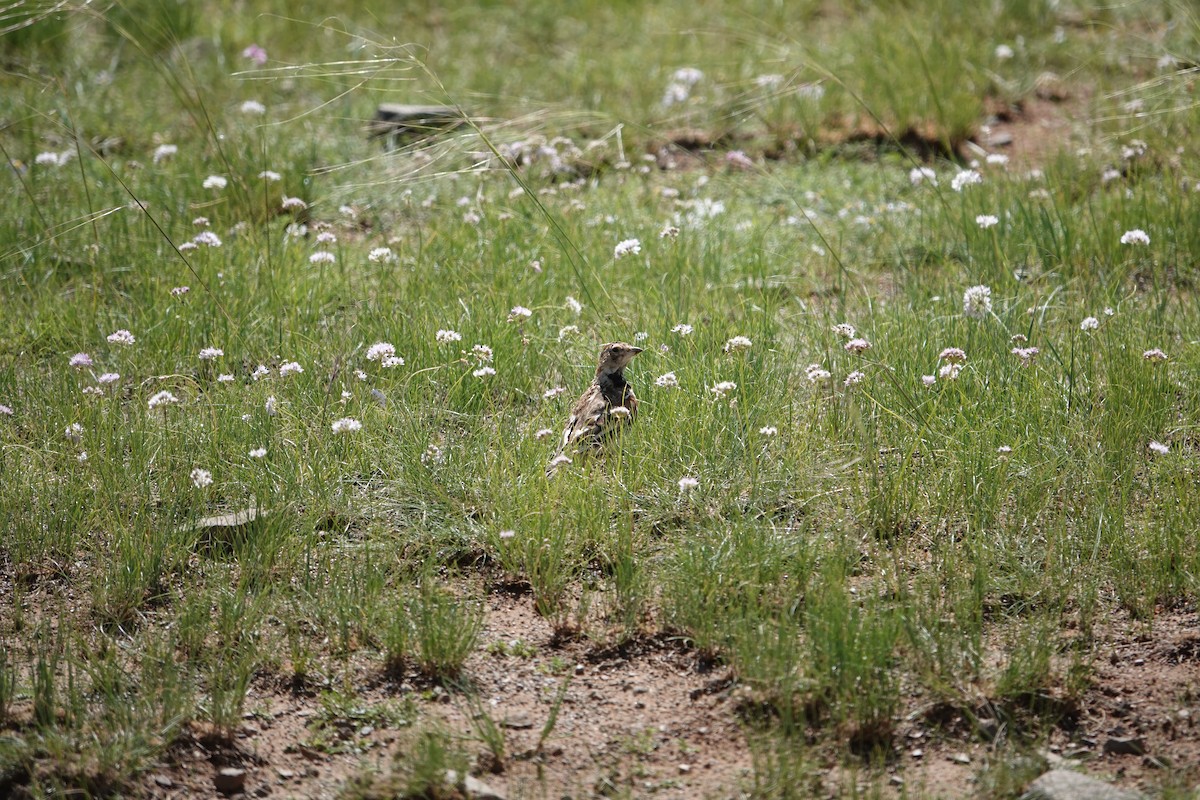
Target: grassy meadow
column 918, row 421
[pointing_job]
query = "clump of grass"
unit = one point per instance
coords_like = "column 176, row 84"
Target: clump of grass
column 445, row 629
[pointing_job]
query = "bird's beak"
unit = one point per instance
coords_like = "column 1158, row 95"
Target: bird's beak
column 636, row 350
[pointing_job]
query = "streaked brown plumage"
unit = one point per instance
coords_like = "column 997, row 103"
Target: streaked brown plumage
column 606, row 406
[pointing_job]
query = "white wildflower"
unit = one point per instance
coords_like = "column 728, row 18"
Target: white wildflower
column 163, row 398
column 626, row 247
column 380, row 350
column 919, row 175
column 1135, row 236
column 738, row 343
column 955, row 355
column 1154, row 355
column 977, row 302
column 164, row 151
column 964, row 178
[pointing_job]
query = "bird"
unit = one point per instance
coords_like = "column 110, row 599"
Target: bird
column 605, row 407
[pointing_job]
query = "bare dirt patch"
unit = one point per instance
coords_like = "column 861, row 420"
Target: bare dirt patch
column 1040, row 126
column 1136, row 727
column 646, row 716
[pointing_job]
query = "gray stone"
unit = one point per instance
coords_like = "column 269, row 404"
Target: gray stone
column 217, row 533
column 1065, row 784
column 397, row 122
column 473, row 787
column 1125, row 745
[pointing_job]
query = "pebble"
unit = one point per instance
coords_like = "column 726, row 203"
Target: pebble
column 1125, row 745
column 229, row 780
column 518, row 722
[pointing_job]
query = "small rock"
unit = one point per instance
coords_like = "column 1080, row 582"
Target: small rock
column 1065, row 784
column 1137, row 662
column 366, row 730
column 478, row 790
column 998, row 139
column 988, row 728
column 960, row 758
column 684, row 769
column 579, row 668
column 518, row 722
column 473, row 787
column 263, row 791
column 164, row 781
column 896, row 780
column 286, row 774
column 918, row 753
column 229, row 780
column 640, row 690
column 1125, row 745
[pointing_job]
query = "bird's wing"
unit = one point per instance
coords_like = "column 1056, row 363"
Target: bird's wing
column 587, row 417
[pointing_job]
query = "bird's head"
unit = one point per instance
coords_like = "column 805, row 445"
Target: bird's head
column 614, row 357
